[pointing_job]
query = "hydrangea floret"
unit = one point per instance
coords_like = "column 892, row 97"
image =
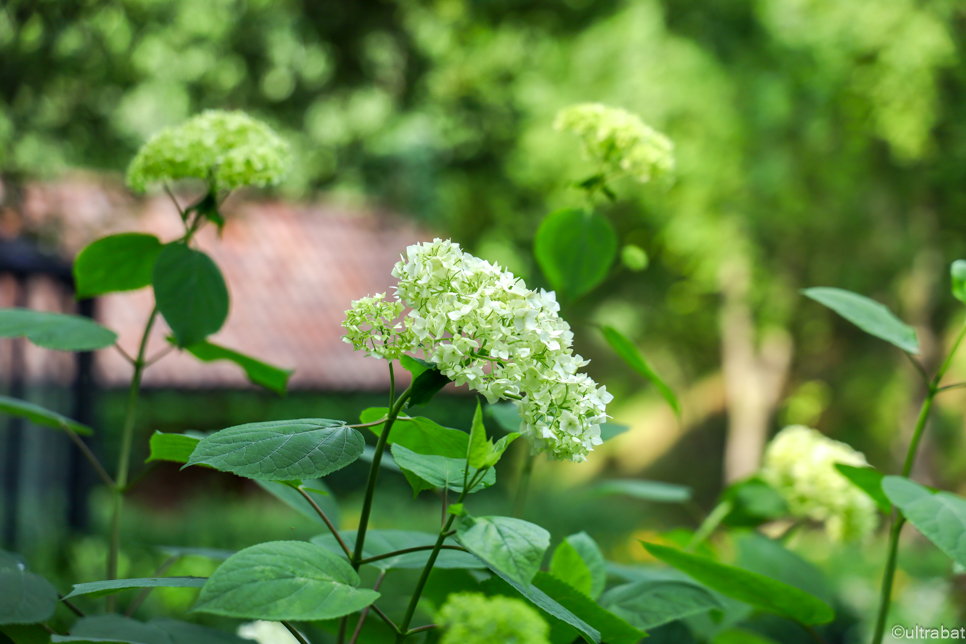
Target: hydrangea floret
column 619, row 140
column 474, row 618
column 800, row 464
column 227, row 149
column 373, row 325
column 482, row 327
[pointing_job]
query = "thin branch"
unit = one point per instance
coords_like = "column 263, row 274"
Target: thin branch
column 49, row 629
column 406, row 551
column 378, row 422
column 127, row 356
column 167, row 189
column 385, row 618
column 140, row 475
column 952, row 386
column 89, row 455
column 69, row 604
column 163, row 568
column 159, row 355
column 332, row 528
column 418, row 629
column 814, row 633
column 919, row 368
column 365, row 611
column 295, row 633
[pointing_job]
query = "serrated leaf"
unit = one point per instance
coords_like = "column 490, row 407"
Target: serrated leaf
column 939, row 516
column 185, row 633
column 870, row 316
column 869, row 480
column 655, row 491
column 116, row 263
column 613, row 628
column 757, row 590
column 632, row 356
column 426, row 385
column 282, row 450
column 567, row 566
column 415, row 366
column 284, row 580
column 291, row 497
column 258, row 372
column 482, row 452
column 175, row 448
column 652, row 603
column 513, row 546
column 40, row 416
column 113, row 628
column 109, row 587
column 439, row 471
column 575, row 249
column 190, row 293
column 419, row 434
column 380, row 542
column 58, row 331
column 25, row 597
column 591, row 556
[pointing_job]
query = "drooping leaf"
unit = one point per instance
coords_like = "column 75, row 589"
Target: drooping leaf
column 25, row 597
column 613, row 628
column 113, row 628
column 289, row 580
column 632, row 356
column 116, row 263
column 55, row 330
column 870, row 316
column 655, row 491
column 652, row 603
column 957, row 271
column 770, row 558
column 439, row 471
column 282, row 450
column 568, row 566
column 757, row 590
column 40, row 416
column 415, row 366
column 575, row 249
column 175, row 448
column 939, row 516
column 109, row 587
column 869, row 480
column 591, row 556
column 190, row 293
column 380, row 542
column 426, row 385
column 753, row 502
column 513, row 546
column 291, row 497
column 260, row 373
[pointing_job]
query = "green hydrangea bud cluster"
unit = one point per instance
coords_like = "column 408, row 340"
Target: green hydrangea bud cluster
column 227, row 149
column 373, row 325
column 474, row 618
column 800, row 464
column 619, row 140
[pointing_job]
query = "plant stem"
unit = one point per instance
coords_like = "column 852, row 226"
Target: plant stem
column 295, row 633
column 523, row 486
column 124, row 462
column 325, row 519
column 365, row 611
column 89, row 455
column 406, row 551
column 709, row 525
column 163, row 568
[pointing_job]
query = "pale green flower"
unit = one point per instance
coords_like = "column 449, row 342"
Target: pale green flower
column 227, row 149
column 474, row 618
column 372, row 326
column 800, row 464
column 619, row 140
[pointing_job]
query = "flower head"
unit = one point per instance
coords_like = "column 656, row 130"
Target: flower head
column 372, row 325
column 228, row 149
column 474, row 618
column 800, row 464
column 619, row 140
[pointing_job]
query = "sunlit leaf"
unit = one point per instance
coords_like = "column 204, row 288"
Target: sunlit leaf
column 55, row 330
column 870, row 316
column 116, row 263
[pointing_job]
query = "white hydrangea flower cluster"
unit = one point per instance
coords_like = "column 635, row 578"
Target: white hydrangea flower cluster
column 484, row 328
column 372, row 325
column 800, row 464
column 228, row 149
column 264, row 632
column 619, row 140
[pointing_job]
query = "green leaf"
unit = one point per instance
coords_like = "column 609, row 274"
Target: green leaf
column 439, row 471
column 116, row 263
column 870, row 316
column 102, row 588
column 40, row 416
column 568, row 566
column 190, row 293
column 757, row 590
column 260, row 373
column 651, row 603
column 416, row 366
column 957, row 272
column 380, row 542
column 25, row 597
column 175, row 448
column 591, row 556
column 629, row 353
column 419, row 434
column 507, row 416
column 770, row 558
column 481, row 452
column 939, row 516
column 575, row 249
column 611, row 430
column 207, row 553
column 113, row 628
column 753, row 502
column 513, row 546
column 25, row 634
column 741, row 636
column 55, row 330
column 185, row 633
column 291, row 497
column 613, row 628
column 426, row 385
column 654, row 491
column 281, row 450
column 289, row 580
column 369, row 454
column 869, row 480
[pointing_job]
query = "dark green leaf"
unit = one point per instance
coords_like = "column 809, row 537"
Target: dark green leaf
column 25, row 597
column 25, row 634
column 289, row 580
column 482, row 452
column 741, row 636
column 116, row 263
column 439, row 471
column 40, row 416
column 369, row 454
column 416, row 366
column 258, row 372
column 55, row 330
column 207, row 553
column 282, row 450
column 290, row 496
column 649, row 604
column 613, row 629
column 770, row 558
column 507, row 416
column 939, row 516
column 655, row 491
column 591, row 556
column 757, row 590
column 185, row 633
column 113, row 628
column 611, row 430
column 513, row 546
column 575, row 249
column 419, row 434
column 380, row 542
column 868, row 315
column 753, row 502
column 175, row 448
column 629, row 353
column 869, row 480
column 101, row 588
column 190, row 293
column 426, row 385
